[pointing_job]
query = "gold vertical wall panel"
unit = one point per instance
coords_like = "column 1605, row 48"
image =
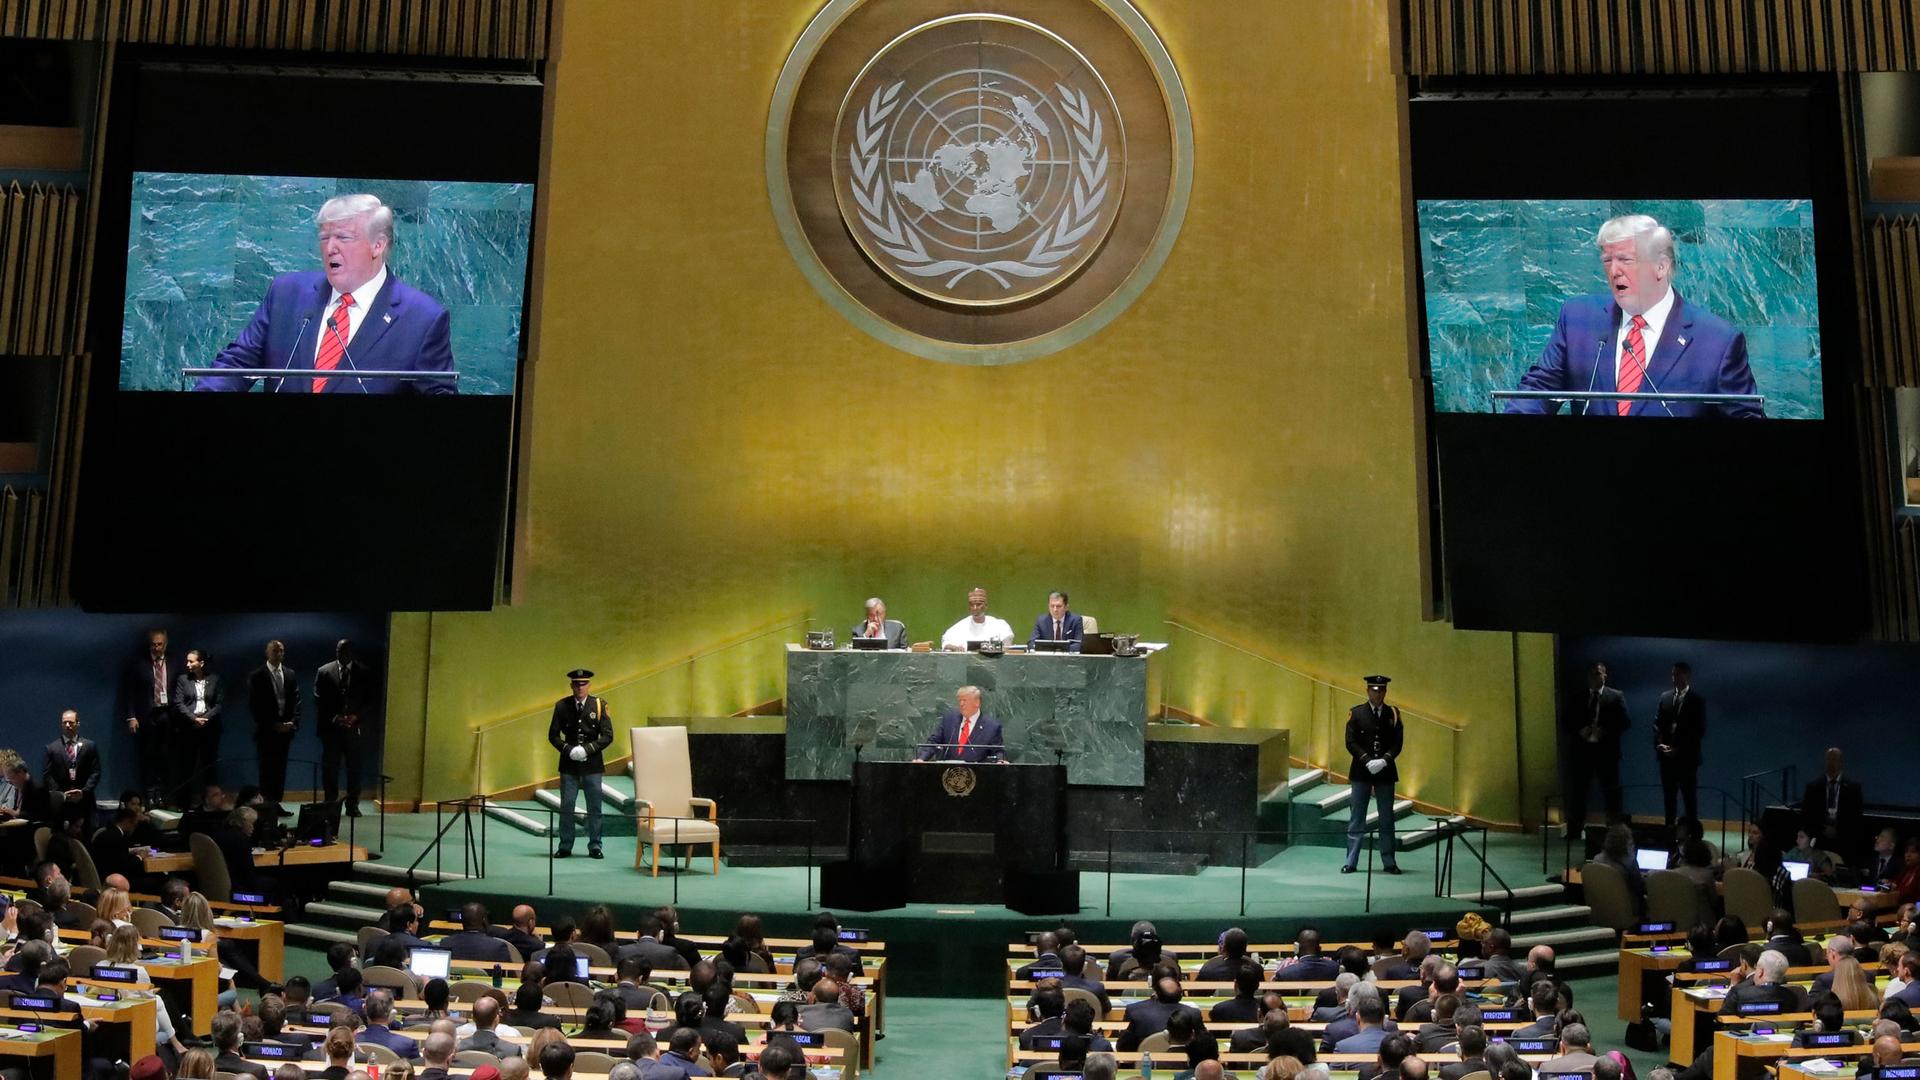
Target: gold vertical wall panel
column 477, row 29
column 40, row 267
column 1669, row 37
column 1236, row 446
column 1893, row 246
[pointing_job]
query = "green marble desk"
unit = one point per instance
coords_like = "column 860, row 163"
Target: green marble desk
column 1092, row 707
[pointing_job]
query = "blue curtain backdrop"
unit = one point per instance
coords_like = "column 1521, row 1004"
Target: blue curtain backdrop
column 201, row 250
column 59, row 660
column 1496, row 272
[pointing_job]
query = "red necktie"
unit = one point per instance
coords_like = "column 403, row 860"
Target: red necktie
column 1633, row 362
column 333, row 343
column 966, row 729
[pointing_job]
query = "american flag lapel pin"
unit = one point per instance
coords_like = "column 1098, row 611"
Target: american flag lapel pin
column 389, row 319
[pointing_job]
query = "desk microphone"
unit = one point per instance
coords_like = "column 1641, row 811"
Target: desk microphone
column 347, row 355
column 291, row 351
column 1647, row 371
column 1599, row 351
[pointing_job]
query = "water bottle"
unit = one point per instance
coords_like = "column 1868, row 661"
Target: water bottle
column 1146, row 1067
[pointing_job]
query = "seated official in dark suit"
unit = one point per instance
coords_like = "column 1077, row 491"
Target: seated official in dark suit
column 964, row 733
column 1363, row 1000
column 379, row 1013
column 1047, row 1011
column 226, row 1044
column 520, row 933
column 1223, row 966
column 1058, row 624
column 1769, row 975
column 1046, row 957
column 1149, row 1017
column 1833, row 808
column 473, row 942
column 1473, row 1054
column 877, row 625
column 1309, row 963
column 1244, row 1006
column 112, row 846
column 1073, row 976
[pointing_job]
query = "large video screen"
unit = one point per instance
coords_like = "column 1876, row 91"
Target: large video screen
column 301, row 284
column 1698, row 308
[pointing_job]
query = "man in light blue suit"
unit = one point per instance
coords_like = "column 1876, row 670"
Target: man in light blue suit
column 350, row 316
column 1058, row 624
column 1640, row 337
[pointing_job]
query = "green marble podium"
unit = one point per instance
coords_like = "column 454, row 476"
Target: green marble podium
column 1092, row 707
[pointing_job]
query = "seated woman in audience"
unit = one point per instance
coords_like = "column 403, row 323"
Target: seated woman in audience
column 339, row 1051
column 1685, row 831
column 785, row 1016
column 1819, row 863
column 1828, row 1016
column 123, row 950
column 1907, row 882
column 1728, row 932
column 195, row 1065
column 1759, row 856
column 97, row 933
column 435, row 996
column 1852, row 987
column 1617, row 851
column 596, row 928
column 197, row 913
column 749, row 931
column 1696, row 863
column 1283, row 1067
column 1900, row 1013
column 115, row 907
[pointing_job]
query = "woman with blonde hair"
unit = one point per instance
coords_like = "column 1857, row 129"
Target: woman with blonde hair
column 1284, row 1067
column 197, row 913
column 1852, row 987
column 194, row 1065
column 123, row 950
column 115, row 907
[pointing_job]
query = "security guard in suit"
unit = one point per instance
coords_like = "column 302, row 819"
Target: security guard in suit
column 1374, row 738
column 581, row 730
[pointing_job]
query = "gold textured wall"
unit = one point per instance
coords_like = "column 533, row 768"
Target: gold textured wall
column 709, row 449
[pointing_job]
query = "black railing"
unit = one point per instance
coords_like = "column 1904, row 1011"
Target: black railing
column 473, row 849
column 1443, row 864
column 1754, row 797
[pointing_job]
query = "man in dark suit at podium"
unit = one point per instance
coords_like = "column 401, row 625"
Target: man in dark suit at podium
column 1058, row 624
column 1679, row 726
column 964, row 733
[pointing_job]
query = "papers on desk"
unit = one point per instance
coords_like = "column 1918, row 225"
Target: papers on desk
column 1715, row 992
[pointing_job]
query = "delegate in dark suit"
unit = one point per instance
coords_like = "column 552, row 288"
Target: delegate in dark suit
column 893, row 630
column 196, row 727
column 1680, row 724
column 1374, row 735
column 72, row 766
column 1832, row 810
column 982, row 743
column 273, row 697
column 1069, row 627
column 1149, row 1017
column 1698, row 353
column 146, row 691
column 343, row 705
column 580, row 723
column 404, row 329
column 1590, row 728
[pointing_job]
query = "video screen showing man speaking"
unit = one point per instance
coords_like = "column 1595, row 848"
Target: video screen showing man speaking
column 1669, row 309
column 292, row 285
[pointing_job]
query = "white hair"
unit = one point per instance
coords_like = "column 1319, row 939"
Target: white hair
column 971, row 691
column 341, row 207
column 874, row 602
column 1773, row 964
column 1650, row 238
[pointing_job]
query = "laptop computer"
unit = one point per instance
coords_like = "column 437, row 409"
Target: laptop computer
column 1797, row 871
column 1650, row 859
column 430, row 963
column 1096, row 645
column 1050, row 645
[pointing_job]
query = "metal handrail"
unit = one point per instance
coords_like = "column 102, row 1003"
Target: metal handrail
column 1753, row 791
column 1285, row 838
column 1566, row 859
column 1443, row 878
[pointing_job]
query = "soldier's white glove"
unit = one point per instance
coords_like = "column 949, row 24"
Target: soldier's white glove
column 1376, row 765
column 578, row 753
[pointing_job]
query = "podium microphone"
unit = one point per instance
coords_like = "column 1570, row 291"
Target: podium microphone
column 1648, row 373
column 1599, row 352
column 291, row 350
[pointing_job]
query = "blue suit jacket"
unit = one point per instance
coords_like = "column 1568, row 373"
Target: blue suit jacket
column 1698, row 353
column 404, row 330
column 985, row 744
column 1071, row 624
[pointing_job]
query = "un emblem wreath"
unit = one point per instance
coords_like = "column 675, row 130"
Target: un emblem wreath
column 979, row 188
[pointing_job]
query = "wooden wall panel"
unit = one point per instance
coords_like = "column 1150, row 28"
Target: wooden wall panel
column 509, row 30
column 40, row 267
column 1667, row 37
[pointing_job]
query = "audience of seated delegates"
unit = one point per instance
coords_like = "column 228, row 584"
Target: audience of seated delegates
column 1244, row 1006
column 1150, row 1015
column 1223, row 966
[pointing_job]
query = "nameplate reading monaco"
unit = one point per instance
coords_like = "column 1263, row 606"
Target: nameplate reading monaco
column 976, row 187
column 959, row 781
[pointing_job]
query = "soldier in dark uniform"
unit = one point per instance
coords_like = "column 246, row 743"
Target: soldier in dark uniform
column 580, row 730
column 1374, row 738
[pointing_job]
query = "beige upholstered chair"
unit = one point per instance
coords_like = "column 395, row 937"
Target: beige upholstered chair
column 1748, row 897
column 1814, row 902
column 149, row 921
column 1608, row 896
column 1089, row 625
column 663, row 799
column 210, row 867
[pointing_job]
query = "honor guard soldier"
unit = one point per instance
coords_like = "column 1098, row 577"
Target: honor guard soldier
column 581, row 730
column 1374, row 738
